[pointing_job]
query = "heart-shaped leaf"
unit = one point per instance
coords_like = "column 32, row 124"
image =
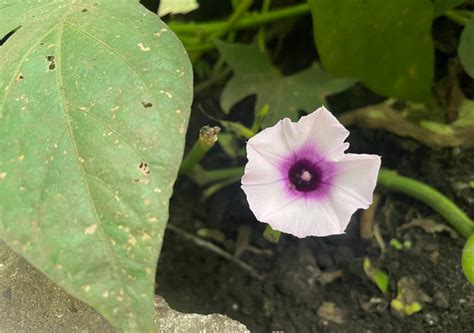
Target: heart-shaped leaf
column 94, row 104
column 285, row 95
column 386, row 44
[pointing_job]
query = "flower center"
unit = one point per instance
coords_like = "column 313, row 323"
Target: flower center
column 305, row 176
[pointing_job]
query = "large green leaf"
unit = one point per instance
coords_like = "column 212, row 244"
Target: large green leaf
column 466, row 47
column 387, row 44
column 94, row 104
column 285, row 95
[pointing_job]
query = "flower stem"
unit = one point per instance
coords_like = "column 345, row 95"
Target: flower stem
column 251, row 21
column 392, row 181
column 207, row 138
column 445, row 207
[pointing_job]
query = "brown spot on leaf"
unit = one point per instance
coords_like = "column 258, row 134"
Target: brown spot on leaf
column 143, row 167
column 51, row 62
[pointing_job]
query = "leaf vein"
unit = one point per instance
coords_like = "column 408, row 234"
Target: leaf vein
column 67, row 119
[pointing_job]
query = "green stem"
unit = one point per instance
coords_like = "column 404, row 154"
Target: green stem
column 234, row 19
column 261, row 32
column 197, row 50
column 392, row 181
column 206, row 177
column 207, row 138
column 214, row 79
column 250, row 21
column 458, row 17
column 440, row 203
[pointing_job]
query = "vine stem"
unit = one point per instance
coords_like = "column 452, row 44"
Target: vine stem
column 250, row 21
column 227, row 26
column 391, row 181
column 460, row 17
column 445, row 207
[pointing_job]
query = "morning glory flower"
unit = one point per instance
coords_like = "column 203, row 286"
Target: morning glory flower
column 299, row 180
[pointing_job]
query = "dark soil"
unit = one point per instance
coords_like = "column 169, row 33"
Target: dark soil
column 294, row 288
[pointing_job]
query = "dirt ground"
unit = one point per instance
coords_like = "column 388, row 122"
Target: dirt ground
column 318, row 284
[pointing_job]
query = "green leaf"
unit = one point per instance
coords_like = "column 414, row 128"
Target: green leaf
column 386, row 44
column 466, row 47
column 467, row 260
column 94, row 104
column 442, row 6
column 380, row 278
column 177, row 6
column 466, row 114
column 285, row 95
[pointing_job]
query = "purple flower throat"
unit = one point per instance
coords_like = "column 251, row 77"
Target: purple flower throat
column 305, row 176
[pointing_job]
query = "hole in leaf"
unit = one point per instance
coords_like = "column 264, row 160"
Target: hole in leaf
column 142, row 181
column 143, row 167
column 147, row 104
column 8, row 35
column 51, row 62
column 19, row 77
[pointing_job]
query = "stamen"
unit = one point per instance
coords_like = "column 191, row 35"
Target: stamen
column 306, row 176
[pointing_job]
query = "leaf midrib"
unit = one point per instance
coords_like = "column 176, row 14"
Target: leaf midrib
column 67, row 121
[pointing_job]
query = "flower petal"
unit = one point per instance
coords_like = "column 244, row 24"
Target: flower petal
column 270, row 144
column 353, row 186
column 303, row 218
column 260, row 168
column 319, row 129
column 265, row 199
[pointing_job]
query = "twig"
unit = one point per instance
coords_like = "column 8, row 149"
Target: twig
column 215, row 249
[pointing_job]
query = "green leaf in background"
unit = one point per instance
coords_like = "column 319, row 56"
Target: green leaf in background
column 386, row 44
column 467, row 260
column 466, row 48
column 94, row 104
column 380, row 278
column 177, row 6
column 466, row 114
column 285, row 95
column 442, row 6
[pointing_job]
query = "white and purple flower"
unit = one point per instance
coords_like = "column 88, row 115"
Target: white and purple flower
column 299, row 180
